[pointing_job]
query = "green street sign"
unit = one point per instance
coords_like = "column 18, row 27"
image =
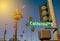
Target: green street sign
column 31, row 23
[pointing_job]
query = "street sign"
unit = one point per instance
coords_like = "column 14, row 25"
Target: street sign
column 31, row 23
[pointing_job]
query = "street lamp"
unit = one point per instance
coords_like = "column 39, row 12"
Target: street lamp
column 17, row 15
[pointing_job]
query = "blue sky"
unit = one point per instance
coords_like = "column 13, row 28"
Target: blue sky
column 29, row 8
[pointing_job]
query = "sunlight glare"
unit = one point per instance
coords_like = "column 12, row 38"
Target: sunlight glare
column 4, row 6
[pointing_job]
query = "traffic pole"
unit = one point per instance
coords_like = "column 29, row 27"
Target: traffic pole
column 31, row 35
column 53, row 19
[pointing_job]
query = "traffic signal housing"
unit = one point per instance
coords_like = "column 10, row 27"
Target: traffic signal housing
column 44, row 34
column 44, row 13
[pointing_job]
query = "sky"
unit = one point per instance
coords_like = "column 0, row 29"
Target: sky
column 28, row 8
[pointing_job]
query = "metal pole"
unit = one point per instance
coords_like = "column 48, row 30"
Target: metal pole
column 31, row 35
column 22, row 39
column 27, row 35
column 53, row 19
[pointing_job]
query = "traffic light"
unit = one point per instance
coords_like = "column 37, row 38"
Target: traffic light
column 30, row 18
column 44, row 13
column 32, row 29
column 44, row 34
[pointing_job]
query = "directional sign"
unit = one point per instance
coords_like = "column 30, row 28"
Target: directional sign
column 31, row 23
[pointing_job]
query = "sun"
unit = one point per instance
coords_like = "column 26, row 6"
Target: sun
column 4, row 6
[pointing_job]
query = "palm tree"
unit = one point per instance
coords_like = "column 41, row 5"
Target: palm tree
column 17, row 15
column 5, row 32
